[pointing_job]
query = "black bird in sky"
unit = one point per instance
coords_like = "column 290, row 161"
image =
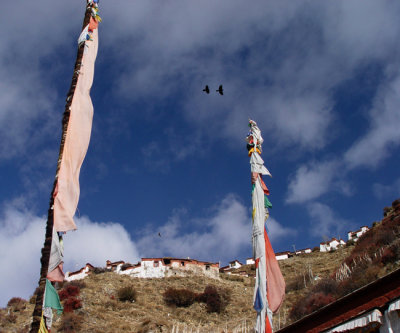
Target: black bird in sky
column 220, row 90
column 159, row 234
column 207, row 90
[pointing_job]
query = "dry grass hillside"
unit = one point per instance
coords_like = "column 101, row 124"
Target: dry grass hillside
column 96, row 303
column 101, row 311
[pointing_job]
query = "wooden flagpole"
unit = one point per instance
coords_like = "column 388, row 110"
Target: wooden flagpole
column 44, row 261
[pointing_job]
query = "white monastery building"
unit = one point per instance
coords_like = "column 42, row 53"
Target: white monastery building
column 78, row 275
column 153, row 268
column 355, row 235
column 282, row 255
column 250, row 261
column 333, row 244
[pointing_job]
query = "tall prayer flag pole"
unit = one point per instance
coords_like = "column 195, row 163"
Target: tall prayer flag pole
column 269, row 290
column 76, row 130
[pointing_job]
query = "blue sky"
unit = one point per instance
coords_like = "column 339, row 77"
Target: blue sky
column 322, row 80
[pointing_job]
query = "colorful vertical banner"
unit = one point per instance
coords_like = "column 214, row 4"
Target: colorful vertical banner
column 76, row 131
column 77, row 140
column 75, row 145
column 269, row 290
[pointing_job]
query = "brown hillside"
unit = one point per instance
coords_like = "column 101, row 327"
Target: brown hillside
column 375, row 254
column 99, row 310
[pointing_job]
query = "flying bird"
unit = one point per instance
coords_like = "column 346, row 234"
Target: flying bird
column 207, row 90
column 220, row 90
column 159, row 234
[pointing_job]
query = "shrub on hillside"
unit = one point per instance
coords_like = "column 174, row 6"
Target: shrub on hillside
column 71, row 304
column 17, row 304
column 211, row 297
column 310, row 304
column 225, row 295
column 179, row 297
column 216, row 299
column 68, row 291
column 126, row 294
column 317, row 301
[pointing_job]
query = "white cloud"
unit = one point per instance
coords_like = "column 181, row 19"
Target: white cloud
column 279, row 62
column 22, row 237
column 222, row 236
column 95, row 242
column 383, row 134
column 325, row 223
column 314, row 180
column 310, row 182
column 276, row 230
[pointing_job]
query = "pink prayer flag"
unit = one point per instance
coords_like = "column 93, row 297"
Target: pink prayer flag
column 76, row 142
column 57, row 274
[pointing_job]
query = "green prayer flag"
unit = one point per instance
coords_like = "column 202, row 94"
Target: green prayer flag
column 51, row 298
column 267, row 203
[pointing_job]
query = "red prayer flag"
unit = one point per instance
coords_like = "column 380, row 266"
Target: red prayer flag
column 275, row 281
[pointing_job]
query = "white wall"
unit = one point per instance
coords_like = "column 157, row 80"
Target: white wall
column 78, row 276
column 282, row 256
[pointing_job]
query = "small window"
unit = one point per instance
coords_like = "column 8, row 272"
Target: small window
column 182, row 263
column 156, row 263
column 207, row 267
